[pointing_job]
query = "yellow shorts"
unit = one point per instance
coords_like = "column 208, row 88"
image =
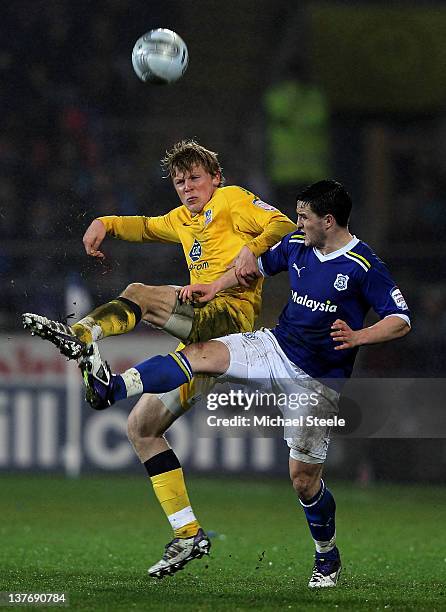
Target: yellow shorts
column 221, row 316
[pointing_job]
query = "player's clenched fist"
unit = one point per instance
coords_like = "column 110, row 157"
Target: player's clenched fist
column 93, row 238
column 344, row 334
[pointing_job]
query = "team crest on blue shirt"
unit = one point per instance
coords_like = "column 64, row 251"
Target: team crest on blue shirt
column 195, row 252
column 207, row 216
column 341, row 282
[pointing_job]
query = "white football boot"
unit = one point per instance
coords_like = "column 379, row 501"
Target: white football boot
column 325, row 573
column 179, row 552
column 60, row 334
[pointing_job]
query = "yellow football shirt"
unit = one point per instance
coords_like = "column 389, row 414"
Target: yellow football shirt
column 211, row 239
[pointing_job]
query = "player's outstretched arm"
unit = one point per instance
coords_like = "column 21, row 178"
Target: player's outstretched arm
column 93, row 238
column 390, row 328
column 202, row 293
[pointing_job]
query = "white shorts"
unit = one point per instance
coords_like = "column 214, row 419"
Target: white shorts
column 257, row 360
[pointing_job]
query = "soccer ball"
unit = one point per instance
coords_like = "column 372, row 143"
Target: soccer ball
column 160, row 56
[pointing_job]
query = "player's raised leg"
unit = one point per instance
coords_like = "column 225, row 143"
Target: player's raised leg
column 158, row 306
column 147, row 423
column 320, row 508
column 155, row 375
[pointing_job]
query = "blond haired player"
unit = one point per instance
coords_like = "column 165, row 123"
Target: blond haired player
column 217, row 227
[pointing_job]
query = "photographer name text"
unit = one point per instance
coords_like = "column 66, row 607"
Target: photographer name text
column 274, row 421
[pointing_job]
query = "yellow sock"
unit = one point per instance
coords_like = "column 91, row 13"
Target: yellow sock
column 110, row 319
column 170, row 489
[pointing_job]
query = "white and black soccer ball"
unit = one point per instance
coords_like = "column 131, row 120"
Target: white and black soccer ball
column 160, row 56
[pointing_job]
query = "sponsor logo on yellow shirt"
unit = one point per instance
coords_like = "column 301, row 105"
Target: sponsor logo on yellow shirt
column 203, row 265
column 195, row 252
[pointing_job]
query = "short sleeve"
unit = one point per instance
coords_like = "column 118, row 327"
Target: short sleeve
column 274, row 260
column 382, row 293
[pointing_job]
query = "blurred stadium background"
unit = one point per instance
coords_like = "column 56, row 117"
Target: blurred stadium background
column 287, row 93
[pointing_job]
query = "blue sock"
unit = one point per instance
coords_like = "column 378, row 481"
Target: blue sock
column 320, row 511
column 155, row 375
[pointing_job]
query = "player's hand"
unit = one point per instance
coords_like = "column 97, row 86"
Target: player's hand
column 246, row 268
column 198, row 292
column 93, row 238
column 344, row 334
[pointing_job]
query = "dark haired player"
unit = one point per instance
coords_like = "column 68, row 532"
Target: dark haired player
column 334, row 280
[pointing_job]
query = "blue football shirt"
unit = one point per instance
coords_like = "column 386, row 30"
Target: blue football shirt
column 344, row 284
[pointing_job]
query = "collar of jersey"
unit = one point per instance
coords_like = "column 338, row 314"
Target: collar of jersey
column 353, row 242
column 195, row 216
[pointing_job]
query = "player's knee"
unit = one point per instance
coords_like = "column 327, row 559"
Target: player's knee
column 138, row 430
column 133, row 428
column 156, row 302
column 139, row 293
column 195, row 350
column 208, row 357
column 304, row 485
column 149, row 419
column 139, row 425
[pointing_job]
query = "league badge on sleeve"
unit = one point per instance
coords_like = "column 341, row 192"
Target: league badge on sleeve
column 341, row 282
column 261, row 204
column 398, row 298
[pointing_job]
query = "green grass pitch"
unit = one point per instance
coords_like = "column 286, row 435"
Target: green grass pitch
column 94, row 538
